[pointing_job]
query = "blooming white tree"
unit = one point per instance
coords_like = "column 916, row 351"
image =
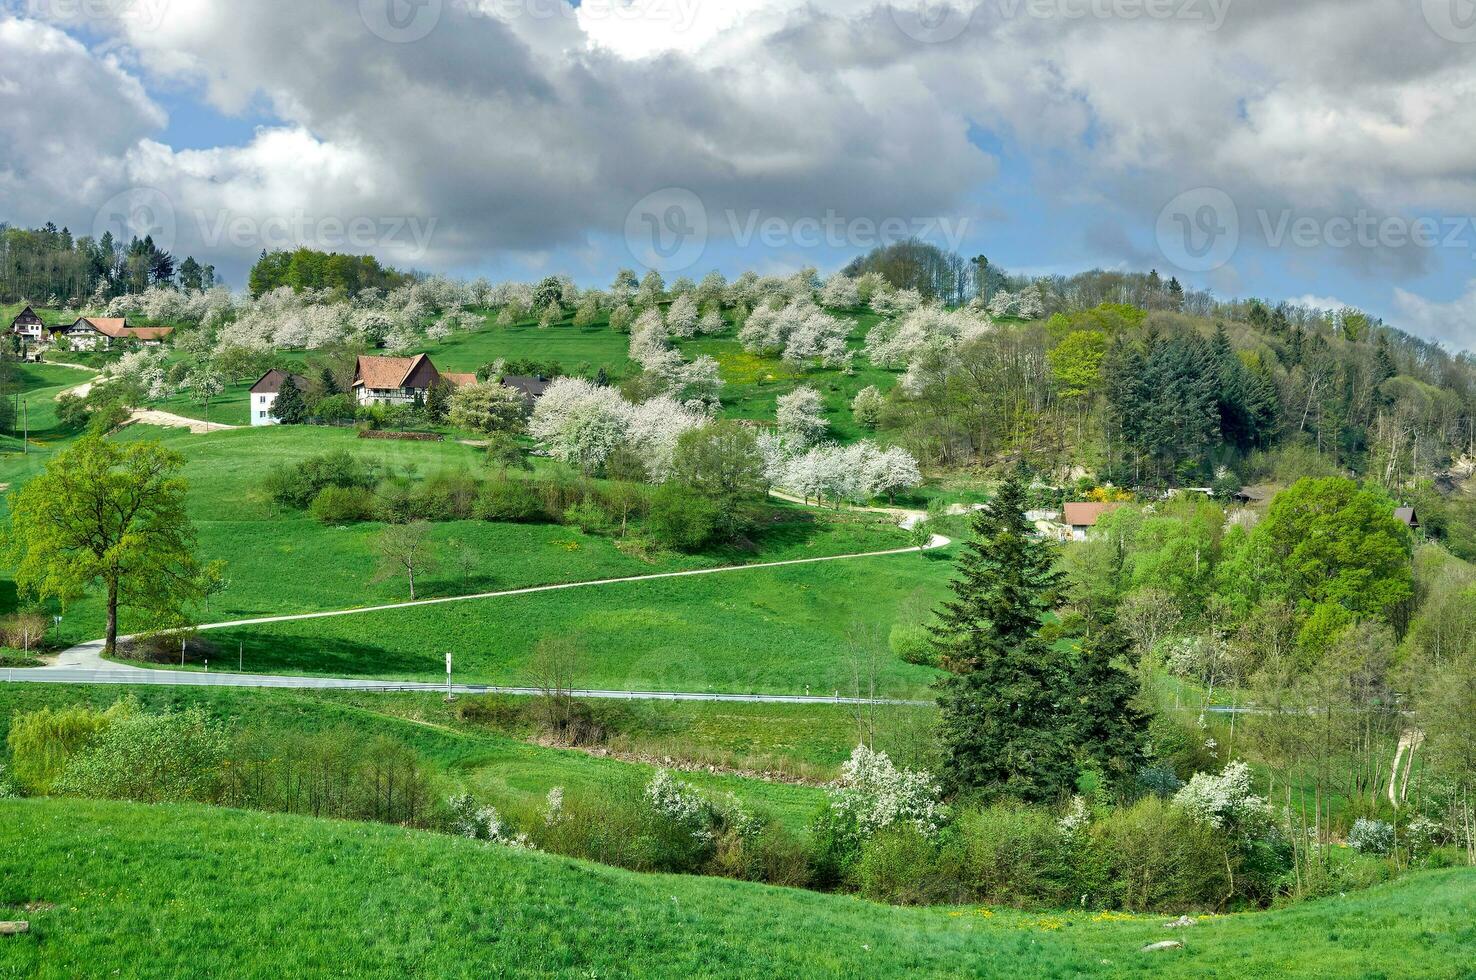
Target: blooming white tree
column 712, row 322
column 840, row 292
column 800, row 332
column 801, row 416
column 581, row 424
column 711, row 289
column 681, row 317
column 897, row 342
column 1225, row 801
column 872, row 794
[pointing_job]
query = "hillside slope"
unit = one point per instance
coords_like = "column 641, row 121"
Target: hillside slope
column 171, row 891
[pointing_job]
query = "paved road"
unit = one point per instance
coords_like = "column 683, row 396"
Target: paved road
column 84, row 664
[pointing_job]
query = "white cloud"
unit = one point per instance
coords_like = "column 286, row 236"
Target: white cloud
column 1452, row 324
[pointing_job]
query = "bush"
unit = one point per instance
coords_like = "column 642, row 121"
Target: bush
column 298, row 484
column 1161, row 859
column 335, row 409
column 43, row 741
column 1017, row 855
column 904, row 867
column 447, row 496
column 1371, row 837
column 588, row 516
column 23, row 631
column 174, row 757
column 913, row 644
column 509, row 500
column 343, row 505
column 683, row 520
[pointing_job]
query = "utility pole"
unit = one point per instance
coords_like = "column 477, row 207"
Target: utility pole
column 26, row 432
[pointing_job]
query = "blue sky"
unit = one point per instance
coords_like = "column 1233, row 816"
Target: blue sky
column 523, row 138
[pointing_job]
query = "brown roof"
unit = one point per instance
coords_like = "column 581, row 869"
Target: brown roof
column 532, row 386
column 1407, row 515
column 271, row 382
column 458, row 379
column 1085, row 513
column 384, row 372
column 112, row 326
column 146, row 333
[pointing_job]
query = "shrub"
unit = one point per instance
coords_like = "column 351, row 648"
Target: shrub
column 43, row 741
column 1017, row 855
column 23, row 631
column 469, row 818
column 173, row 757
column 509, row 500
column 335, row 409
column 588, row 516
column 447, row 496
column 913, row 644
column 1371, row 836
column 1161, row 859
column 343, row 505
column 903, row 866
column 681, row 519
column 298, row 484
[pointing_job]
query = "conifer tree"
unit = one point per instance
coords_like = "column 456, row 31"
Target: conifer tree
column 289, row 406
column 1001, row 725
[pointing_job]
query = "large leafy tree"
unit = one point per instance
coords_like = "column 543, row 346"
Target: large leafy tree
column 1334, row 542
column 109, row 515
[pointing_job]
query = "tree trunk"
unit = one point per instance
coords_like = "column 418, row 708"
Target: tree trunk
column 110, row 644
column 411, row 572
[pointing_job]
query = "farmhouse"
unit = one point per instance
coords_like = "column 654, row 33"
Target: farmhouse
column 400, row 380
column 99, row 333
column 532, row 386
column 264, row 395
column 1081, row 516
column 28, row 326
column 1407, row 517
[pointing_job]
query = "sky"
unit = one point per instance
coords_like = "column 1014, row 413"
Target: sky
column 1321, row 151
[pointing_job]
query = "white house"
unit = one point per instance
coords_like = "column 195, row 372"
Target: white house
column 28, row 326
column 264, row 395
column 99, row 332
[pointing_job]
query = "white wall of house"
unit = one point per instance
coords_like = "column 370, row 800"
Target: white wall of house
column 385, row 396
column 86, row 340
column 261, row 408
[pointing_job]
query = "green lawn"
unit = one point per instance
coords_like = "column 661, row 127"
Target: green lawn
column 778, row 630
column 283, row 561
column 164, row 891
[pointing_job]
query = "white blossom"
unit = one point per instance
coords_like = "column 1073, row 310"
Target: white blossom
column 874, row 794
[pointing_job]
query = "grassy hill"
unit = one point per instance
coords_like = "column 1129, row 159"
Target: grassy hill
column 119, row 889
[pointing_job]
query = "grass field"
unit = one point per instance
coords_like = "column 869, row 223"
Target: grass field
column 269, row 551
column 168, row 891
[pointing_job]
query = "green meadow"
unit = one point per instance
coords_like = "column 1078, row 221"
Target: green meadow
column 158, row 891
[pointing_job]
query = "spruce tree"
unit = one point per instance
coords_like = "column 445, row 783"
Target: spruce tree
column 1104, row 722
column 289, row 406
column 329, row 382
column 1002, row 720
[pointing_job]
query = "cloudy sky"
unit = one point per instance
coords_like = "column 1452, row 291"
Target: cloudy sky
column 1322, row 150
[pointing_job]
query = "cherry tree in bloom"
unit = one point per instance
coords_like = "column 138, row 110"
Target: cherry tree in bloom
column 840, row 292
column 800, row 332
column 581, row 424
column 896, row 342
column 681, row 318
column 801, row 416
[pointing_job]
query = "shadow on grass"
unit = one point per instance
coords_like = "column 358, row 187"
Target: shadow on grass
column 247, row 652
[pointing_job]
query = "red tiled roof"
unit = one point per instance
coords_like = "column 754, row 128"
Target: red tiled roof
column 458, row 379
column 383, row 372
column 1086, row 513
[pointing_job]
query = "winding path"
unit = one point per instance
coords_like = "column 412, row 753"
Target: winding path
column 84, row 663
